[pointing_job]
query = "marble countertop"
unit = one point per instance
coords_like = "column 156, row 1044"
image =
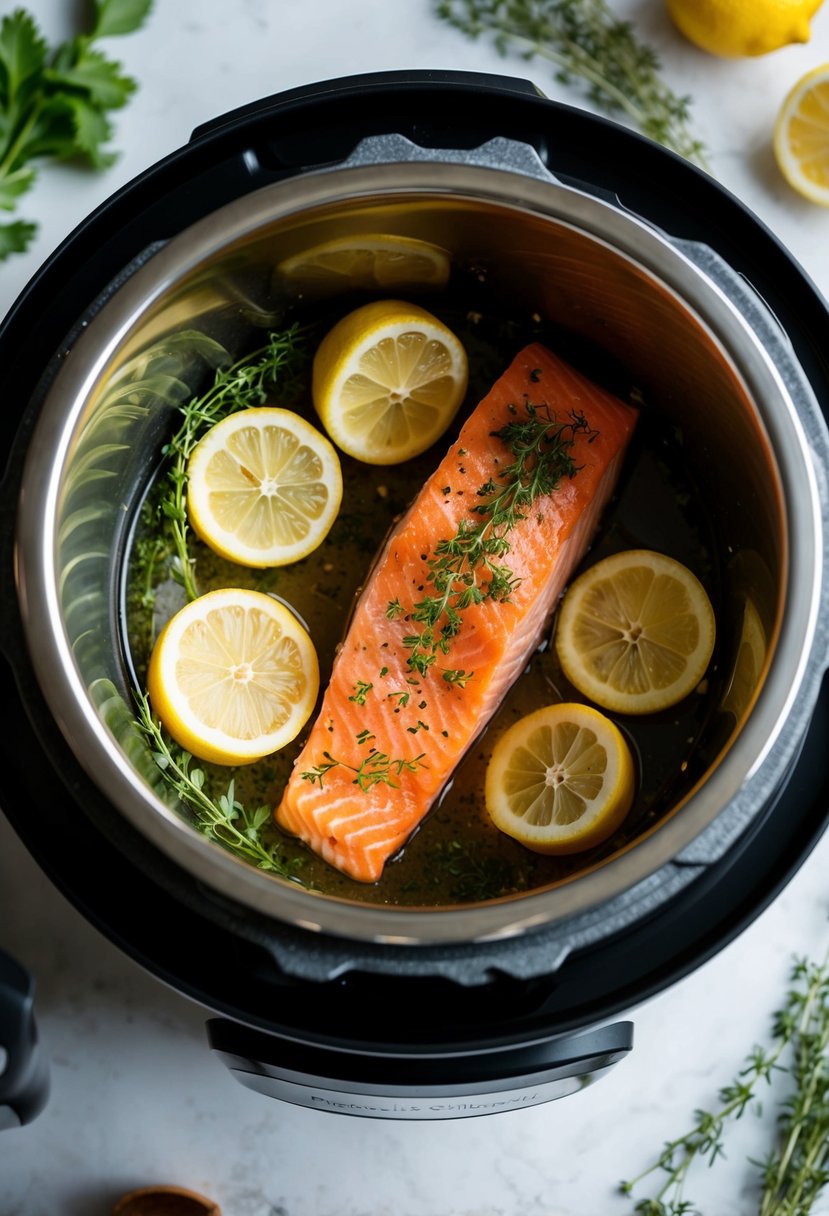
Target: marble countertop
column 136, row 1096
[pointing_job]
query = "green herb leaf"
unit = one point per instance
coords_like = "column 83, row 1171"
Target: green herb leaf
column 13, row 185
column 22, row 55
column 113, row 17
column 54, row 102
column 91, row 130
column 15, row 237
column 99, row 78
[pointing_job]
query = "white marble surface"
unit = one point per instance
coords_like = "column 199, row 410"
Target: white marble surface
column 136, row 1096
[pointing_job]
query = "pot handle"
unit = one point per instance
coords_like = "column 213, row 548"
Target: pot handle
column 424, row 1084
column 24, row 1072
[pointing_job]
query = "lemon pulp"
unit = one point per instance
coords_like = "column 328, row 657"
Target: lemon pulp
column 233, row 676
column 635, row 632
column 263, row 487
column 387, row 381
column 560, row 780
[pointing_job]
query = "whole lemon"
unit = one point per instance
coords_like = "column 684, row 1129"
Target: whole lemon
column 739, row 28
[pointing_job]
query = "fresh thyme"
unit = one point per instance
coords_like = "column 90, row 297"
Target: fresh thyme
column 794, row 1175
column 467, row 568
column 223, row 819
column 376, row 769
column 585, row 41
column 245, row 383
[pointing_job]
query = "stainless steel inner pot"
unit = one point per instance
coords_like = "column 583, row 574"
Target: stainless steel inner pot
column 692, row 334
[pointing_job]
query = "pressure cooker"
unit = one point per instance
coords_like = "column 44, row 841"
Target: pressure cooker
column 336, row 1004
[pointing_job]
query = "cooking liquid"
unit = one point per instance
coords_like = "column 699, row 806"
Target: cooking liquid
column 457, row 855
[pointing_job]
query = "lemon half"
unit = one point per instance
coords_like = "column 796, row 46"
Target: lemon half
column 233, row 676
column 387, row 381
column 635, row 632
column 263, row 487
column 801, row 136
column 560, row 780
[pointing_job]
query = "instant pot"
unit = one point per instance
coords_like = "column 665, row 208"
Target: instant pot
column 367, row 1009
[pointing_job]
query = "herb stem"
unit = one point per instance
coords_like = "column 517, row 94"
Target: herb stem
column 215, row 818
column 794, row 1177
column 584, row 39
column 243, row 384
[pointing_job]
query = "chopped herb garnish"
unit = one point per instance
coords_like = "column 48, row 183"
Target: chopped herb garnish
column 364, row 736
column 456, row 675
column 467, row 568
column 402, row 697
column 361, row 690
column 394, row 609
column 414, row 729
column 376, row 769
column 384, row 671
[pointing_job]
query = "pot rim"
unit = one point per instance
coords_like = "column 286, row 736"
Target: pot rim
column 756, row 759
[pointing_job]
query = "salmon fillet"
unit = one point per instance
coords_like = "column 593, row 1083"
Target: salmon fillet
column 378, row 715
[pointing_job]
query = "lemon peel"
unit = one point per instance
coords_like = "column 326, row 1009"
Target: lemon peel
column 743, row 28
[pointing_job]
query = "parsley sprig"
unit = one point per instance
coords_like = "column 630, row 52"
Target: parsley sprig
column 468, row 568
column 797, row 1171
column 585, row 41
column 54, row 102
column 245, row 383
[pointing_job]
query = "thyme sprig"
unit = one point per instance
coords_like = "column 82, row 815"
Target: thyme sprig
column 376, row 769
column 224, row 819
column 796, row 1172
column 585, row 41
column 467, row 568
column 247, row 382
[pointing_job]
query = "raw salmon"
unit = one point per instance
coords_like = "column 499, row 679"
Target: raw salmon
column 378, row 716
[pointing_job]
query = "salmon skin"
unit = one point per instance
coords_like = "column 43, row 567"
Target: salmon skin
column 389, row 734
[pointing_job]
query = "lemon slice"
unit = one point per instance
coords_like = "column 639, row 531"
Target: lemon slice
column 263, row 487
column 560, row 780
column 635, row 632
column 371, row 260
column 387, row 381
column 801, row 136
column 233, row 676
